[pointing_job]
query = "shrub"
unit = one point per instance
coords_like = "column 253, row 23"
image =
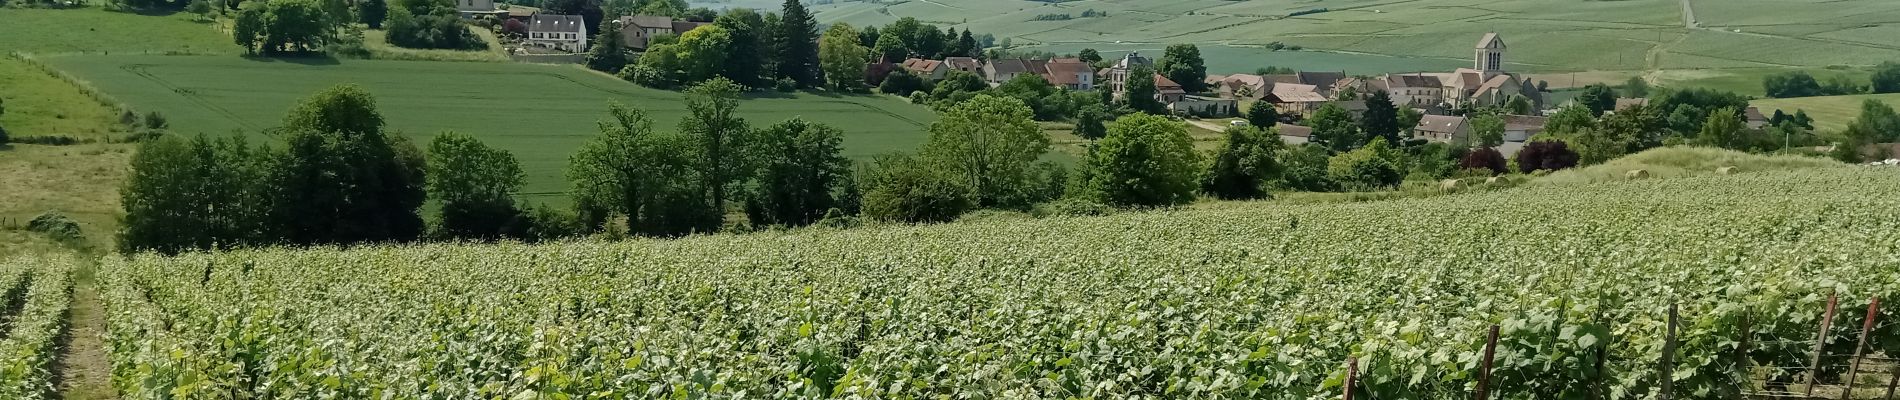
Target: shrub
column 1548, row 155
column 434, row 31
column 1484, row 158
column 786, row 85
column 154, row 120
column 900, row 188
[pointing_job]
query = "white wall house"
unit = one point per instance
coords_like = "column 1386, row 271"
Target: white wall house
column 560, row 32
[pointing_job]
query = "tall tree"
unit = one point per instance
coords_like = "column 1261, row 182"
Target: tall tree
column 966, row 45
column 341, row 179
column 1182, row 63
column 1519, row 105
column 1244, row 164
column 1636, row 87
column 712, row 125
column 373, row 12
column 990, row 144
column 1089, row 56
column 650, row 179
column 248, row 30
column 1333, row 128
column 1091, row 121
column 1722, row 129
column 1141, row 93
column 842, row 58
column 1487, row 130
column 1598, row 98
column 799, row 167
column 1145, row 161
column 609, row 53
column 199, row 193
column 889, row 48
column 1381, row 118
column 798, row 45
column 1886, row 78
column 294, row 25
column 476, row 185
column 747, row 33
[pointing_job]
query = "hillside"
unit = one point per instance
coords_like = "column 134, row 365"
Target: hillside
column 1233, row 302
column 1371, row 36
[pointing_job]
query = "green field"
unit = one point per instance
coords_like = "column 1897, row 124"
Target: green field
column 95, row 30
column 1830, row 113
column 1241, row 300
column 1370, row 36
column 541, row 113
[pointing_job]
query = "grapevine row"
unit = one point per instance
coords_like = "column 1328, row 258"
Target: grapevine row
column 1234, row 301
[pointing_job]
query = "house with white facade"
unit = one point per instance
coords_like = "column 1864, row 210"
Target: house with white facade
column 560, row 32
column 1069, row 73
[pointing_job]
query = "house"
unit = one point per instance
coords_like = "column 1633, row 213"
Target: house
column 1167, row 91
column 1412, row 90
column 929, row 70
column 560, row 32
column 1069, row 73
column 1323, row 82
column 469, row 9
column 1519, row 128
column 637, row 30
column 522, row 13
column 1295, row 98
column 1442, row 128
column 965, row 64
column 1204, row 106
column 1240, row 86
column 999, row 71
column 1754, row 118
column 1117, row 75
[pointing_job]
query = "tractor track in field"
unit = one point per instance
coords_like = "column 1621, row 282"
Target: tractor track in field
column 188, row 94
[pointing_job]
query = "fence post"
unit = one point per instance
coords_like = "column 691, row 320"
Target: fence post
column 1866, row 327
column 1668, row 367
column 1352, row 375
column 1895, row 381
column 1484, row 375
column 1820, row 338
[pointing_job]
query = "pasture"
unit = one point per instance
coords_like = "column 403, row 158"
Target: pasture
column 541, row 113
column 95, row 30
column 1830, row 113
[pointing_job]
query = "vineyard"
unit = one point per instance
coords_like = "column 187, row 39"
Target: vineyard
column 34, row 294
column 1252, row 300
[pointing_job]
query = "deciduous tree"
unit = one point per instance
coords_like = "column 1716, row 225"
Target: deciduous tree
column 989, row 144
column 843, row 59
column 1333, row 127
column 475, row 185
column 719, row 135
column 1182, row 63
column 1244, row 164
column 799, row 168
column 650, row 179
column 1145, row 161
column 1262, row 114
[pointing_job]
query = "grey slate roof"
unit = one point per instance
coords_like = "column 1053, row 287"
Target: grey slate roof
column 557, row 23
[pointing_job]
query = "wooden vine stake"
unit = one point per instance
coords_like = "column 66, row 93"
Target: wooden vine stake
column 1866, row 328
column 1668, row 367
column 1893, row 382
column 1484, row 375
column 1814, row 367
column 1352, row 375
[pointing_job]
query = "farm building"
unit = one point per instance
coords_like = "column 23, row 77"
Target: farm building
column 1442, row 128
column 1295, row 98
column 470, row 9
column 560, row 32
column 636, row 30
column 1518, row 128
column 929, row 70
column 1204, row 106
column 1069, row 73
column 999, row 71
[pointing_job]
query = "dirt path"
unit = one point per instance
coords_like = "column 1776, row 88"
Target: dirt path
column 84, row 371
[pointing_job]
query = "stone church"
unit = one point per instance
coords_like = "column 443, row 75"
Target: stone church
column 1486, row 83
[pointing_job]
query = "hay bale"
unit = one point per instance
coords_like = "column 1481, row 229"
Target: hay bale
column 1636, row 174
column 1450, row 184
column 1730, row 170
column 1493, row 180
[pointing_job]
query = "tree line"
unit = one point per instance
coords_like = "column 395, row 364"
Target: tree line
column 1884, row 79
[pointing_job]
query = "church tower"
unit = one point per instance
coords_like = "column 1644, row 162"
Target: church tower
column 1490, row 56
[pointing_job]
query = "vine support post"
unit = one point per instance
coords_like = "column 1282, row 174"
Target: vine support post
column 1668, row 366
column 1741, row 351
column 1352, row 375
column 1490, row 353
column 1820, row 338
column 1866, row 328
column 1894, row 381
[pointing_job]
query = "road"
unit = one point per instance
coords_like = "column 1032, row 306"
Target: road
column 1688, row 16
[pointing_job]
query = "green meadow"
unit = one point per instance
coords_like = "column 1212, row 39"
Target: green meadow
column 1830, row 113
column 541, row 113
